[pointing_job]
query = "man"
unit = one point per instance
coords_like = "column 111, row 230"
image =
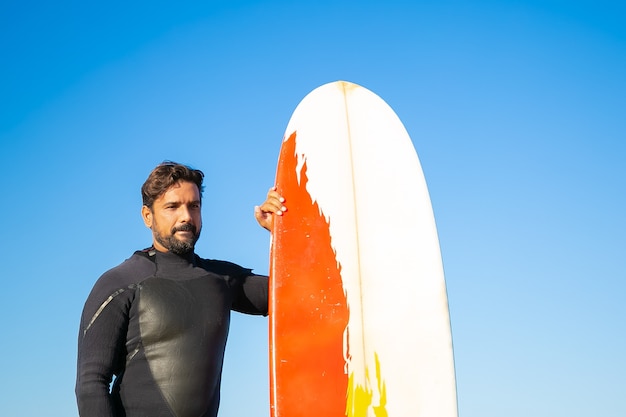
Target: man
column 156, row 325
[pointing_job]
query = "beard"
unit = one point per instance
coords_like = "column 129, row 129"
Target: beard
column 175, row 245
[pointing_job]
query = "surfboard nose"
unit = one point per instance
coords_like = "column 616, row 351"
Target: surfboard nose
column 347, row 86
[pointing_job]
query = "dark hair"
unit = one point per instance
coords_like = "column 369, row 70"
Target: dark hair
column 164, row 176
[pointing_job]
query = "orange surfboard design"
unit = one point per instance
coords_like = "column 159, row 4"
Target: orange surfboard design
column 313, row 307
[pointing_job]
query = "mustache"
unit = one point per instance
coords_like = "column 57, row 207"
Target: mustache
column 187, row 227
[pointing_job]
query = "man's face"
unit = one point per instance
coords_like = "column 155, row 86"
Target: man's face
column 175, row 218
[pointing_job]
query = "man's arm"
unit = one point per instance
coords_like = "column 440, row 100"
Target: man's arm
column 252, row 295
column 101, row 350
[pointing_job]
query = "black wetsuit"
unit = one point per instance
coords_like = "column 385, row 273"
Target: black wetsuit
column 158, row 323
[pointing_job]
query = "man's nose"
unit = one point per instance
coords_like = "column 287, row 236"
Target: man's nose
column 184, row 213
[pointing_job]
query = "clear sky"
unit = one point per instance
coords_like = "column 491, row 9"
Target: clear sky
column 517, row 110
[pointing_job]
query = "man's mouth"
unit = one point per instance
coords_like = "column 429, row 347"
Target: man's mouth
column 188, row 228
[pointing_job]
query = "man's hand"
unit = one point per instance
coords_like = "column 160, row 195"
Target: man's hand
column 273, row 205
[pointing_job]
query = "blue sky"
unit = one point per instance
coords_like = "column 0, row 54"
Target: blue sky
column 517, row 110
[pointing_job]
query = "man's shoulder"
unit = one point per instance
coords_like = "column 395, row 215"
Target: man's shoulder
column 131, row 271
column 121, row 279
column 221, row 267
column 138, row 262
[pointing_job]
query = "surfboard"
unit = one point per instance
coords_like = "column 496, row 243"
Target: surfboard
column 359, row 321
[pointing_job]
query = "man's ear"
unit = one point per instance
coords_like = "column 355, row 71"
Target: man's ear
column 146, row 215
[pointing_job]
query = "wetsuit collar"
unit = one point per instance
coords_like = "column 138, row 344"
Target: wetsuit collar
column 172, row 258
